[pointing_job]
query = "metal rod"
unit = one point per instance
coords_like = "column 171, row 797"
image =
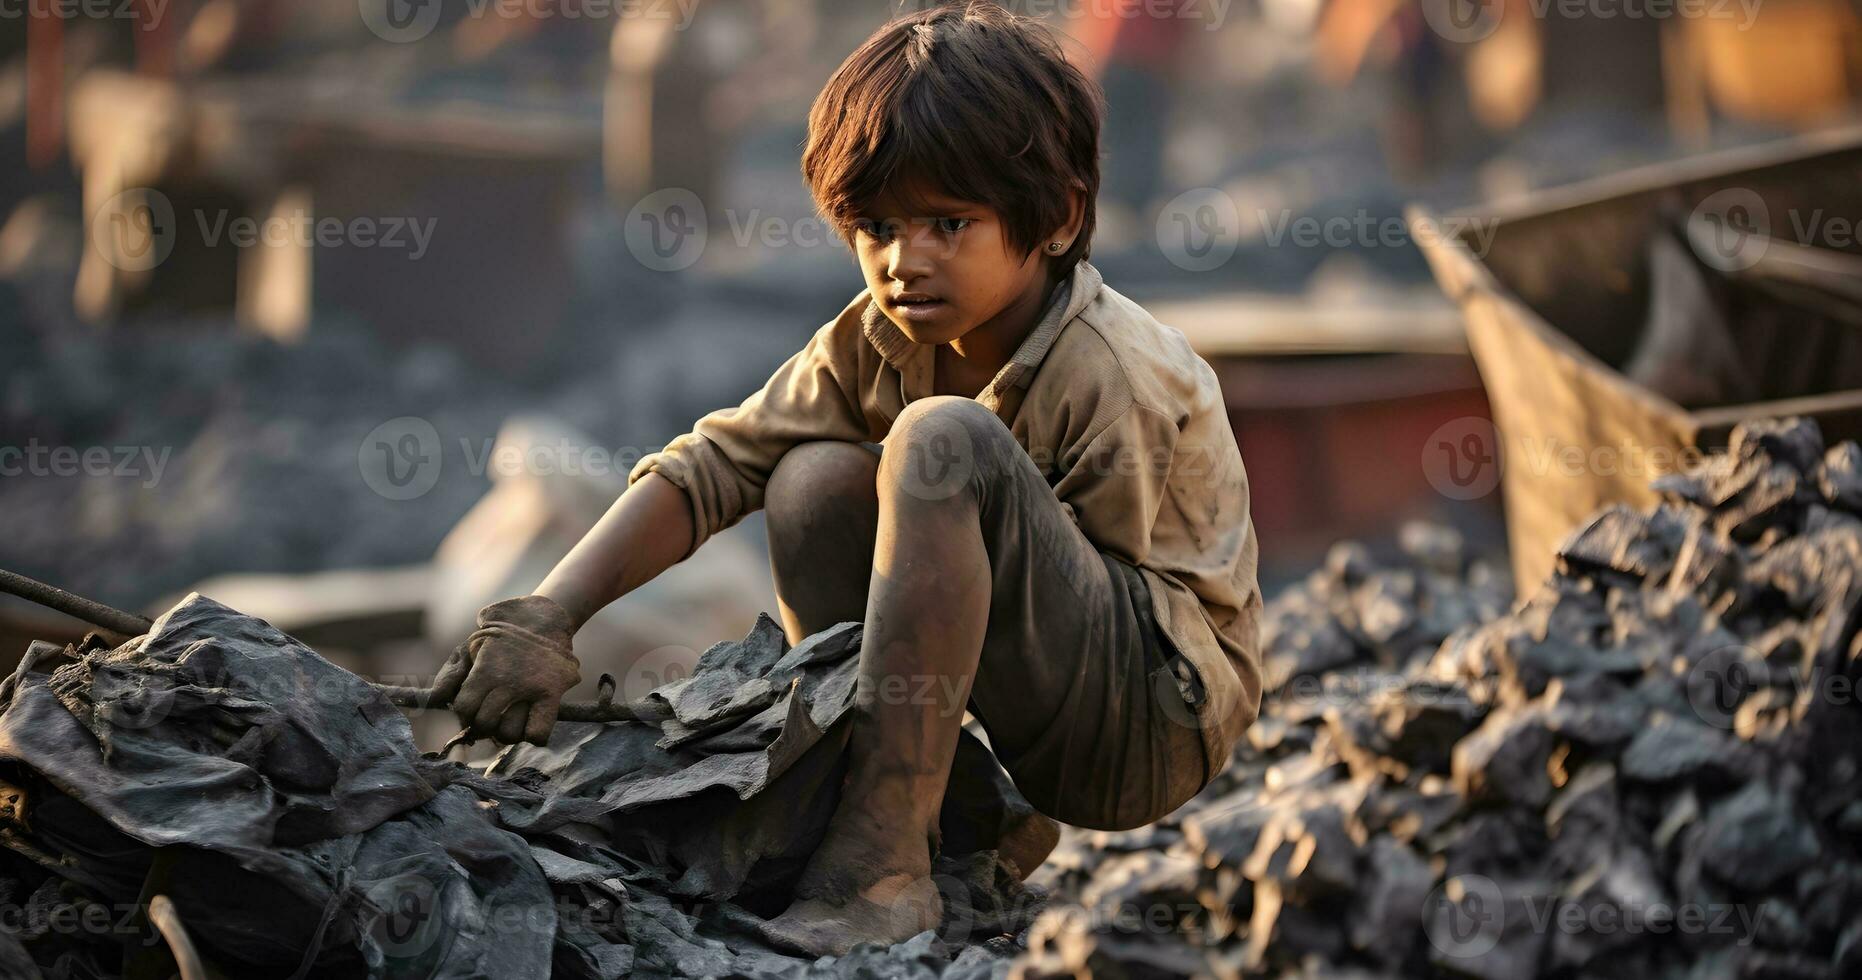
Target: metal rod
column 95, row 613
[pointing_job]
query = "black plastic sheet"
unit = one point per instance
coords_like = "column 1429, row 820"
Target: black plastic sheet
column 280, row 803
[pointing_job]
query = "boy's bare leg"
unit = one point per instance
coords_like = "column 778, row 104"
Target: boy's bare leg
column 822, row 515
column 926, row 615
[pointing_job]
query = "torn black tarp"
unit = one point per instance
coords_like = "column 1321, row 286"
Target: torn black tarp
column 280, row 803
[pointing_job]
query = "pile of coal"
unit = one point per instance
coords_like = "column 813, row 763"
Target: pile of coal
column 279, row 802
column 1649, row 767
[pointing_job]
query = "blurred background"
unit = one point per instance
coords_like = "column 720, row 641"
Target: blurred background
column 355, row 315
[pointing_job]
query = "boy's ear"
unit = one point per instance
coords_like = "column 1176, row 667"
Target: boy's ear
column 1076, row 215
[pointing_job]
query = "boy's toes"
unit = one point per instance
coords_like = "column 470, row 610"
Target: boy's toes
column 810, row 927
column 890, row 911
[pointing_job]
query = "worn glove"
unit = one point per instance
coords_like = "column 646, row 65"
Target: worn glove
column 520, row 664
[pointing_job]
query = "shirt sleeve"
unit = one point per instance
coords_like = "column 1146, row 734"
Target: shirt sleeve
column 724, row 463
column 1117, row 484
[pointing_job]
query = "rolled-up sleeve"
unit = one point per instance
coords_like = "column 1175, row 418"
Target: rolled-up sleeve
column 724, row 463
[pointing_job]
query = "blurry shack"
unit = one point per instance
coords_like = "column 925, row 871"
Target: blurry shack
column 254, row 198
column 1624, row 324
column 1330, row 401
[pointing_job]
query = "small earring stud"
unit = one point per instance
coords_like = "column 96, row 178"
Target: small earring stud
column 1055, row 246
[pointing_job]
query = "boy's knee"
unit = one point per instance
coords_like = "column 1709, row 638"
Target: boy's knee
column 942, row 445
column 816, row 482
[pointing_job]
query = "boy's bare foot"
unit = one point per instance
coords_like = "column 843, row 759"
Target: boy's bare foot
column 868, row 882
column 891, row 910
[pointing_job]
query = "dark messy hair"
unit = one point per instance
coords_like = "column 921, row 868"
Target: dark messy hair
column 975, row 102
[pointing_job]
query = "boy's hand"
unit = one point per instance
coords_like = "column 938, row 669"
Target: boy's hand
column 521, row 663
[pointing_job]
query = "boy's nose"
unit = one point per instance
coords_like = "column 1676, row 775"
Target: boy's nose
column 908, row 260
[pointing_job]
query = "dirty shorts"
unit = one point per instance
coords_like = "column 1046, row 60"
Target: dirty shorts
column 1085, row 701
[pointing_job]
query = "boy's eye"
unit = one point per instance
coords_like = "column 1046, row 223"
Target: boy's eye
column 873, row 229
column 951, row 226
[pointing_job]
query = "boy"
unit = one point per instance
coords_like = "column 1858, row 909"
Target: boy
column 1054, row 533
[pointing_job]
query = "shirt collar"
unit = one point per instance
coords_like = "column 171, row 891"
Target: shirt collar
column 1069, row 298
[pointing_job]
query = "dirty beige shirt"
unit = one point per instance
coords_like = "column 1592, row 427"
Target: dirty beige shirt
column 1123, row 419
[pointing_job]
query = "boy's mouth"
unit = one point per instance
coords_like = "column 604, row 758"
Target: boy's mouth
column 918, row 306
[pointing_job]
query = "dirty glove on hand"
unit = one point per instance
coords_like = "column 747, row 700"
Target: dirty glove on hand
column 521, row 665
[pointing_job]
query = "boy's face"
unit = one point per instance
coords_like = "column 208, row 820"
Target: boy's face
column 942, row 274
